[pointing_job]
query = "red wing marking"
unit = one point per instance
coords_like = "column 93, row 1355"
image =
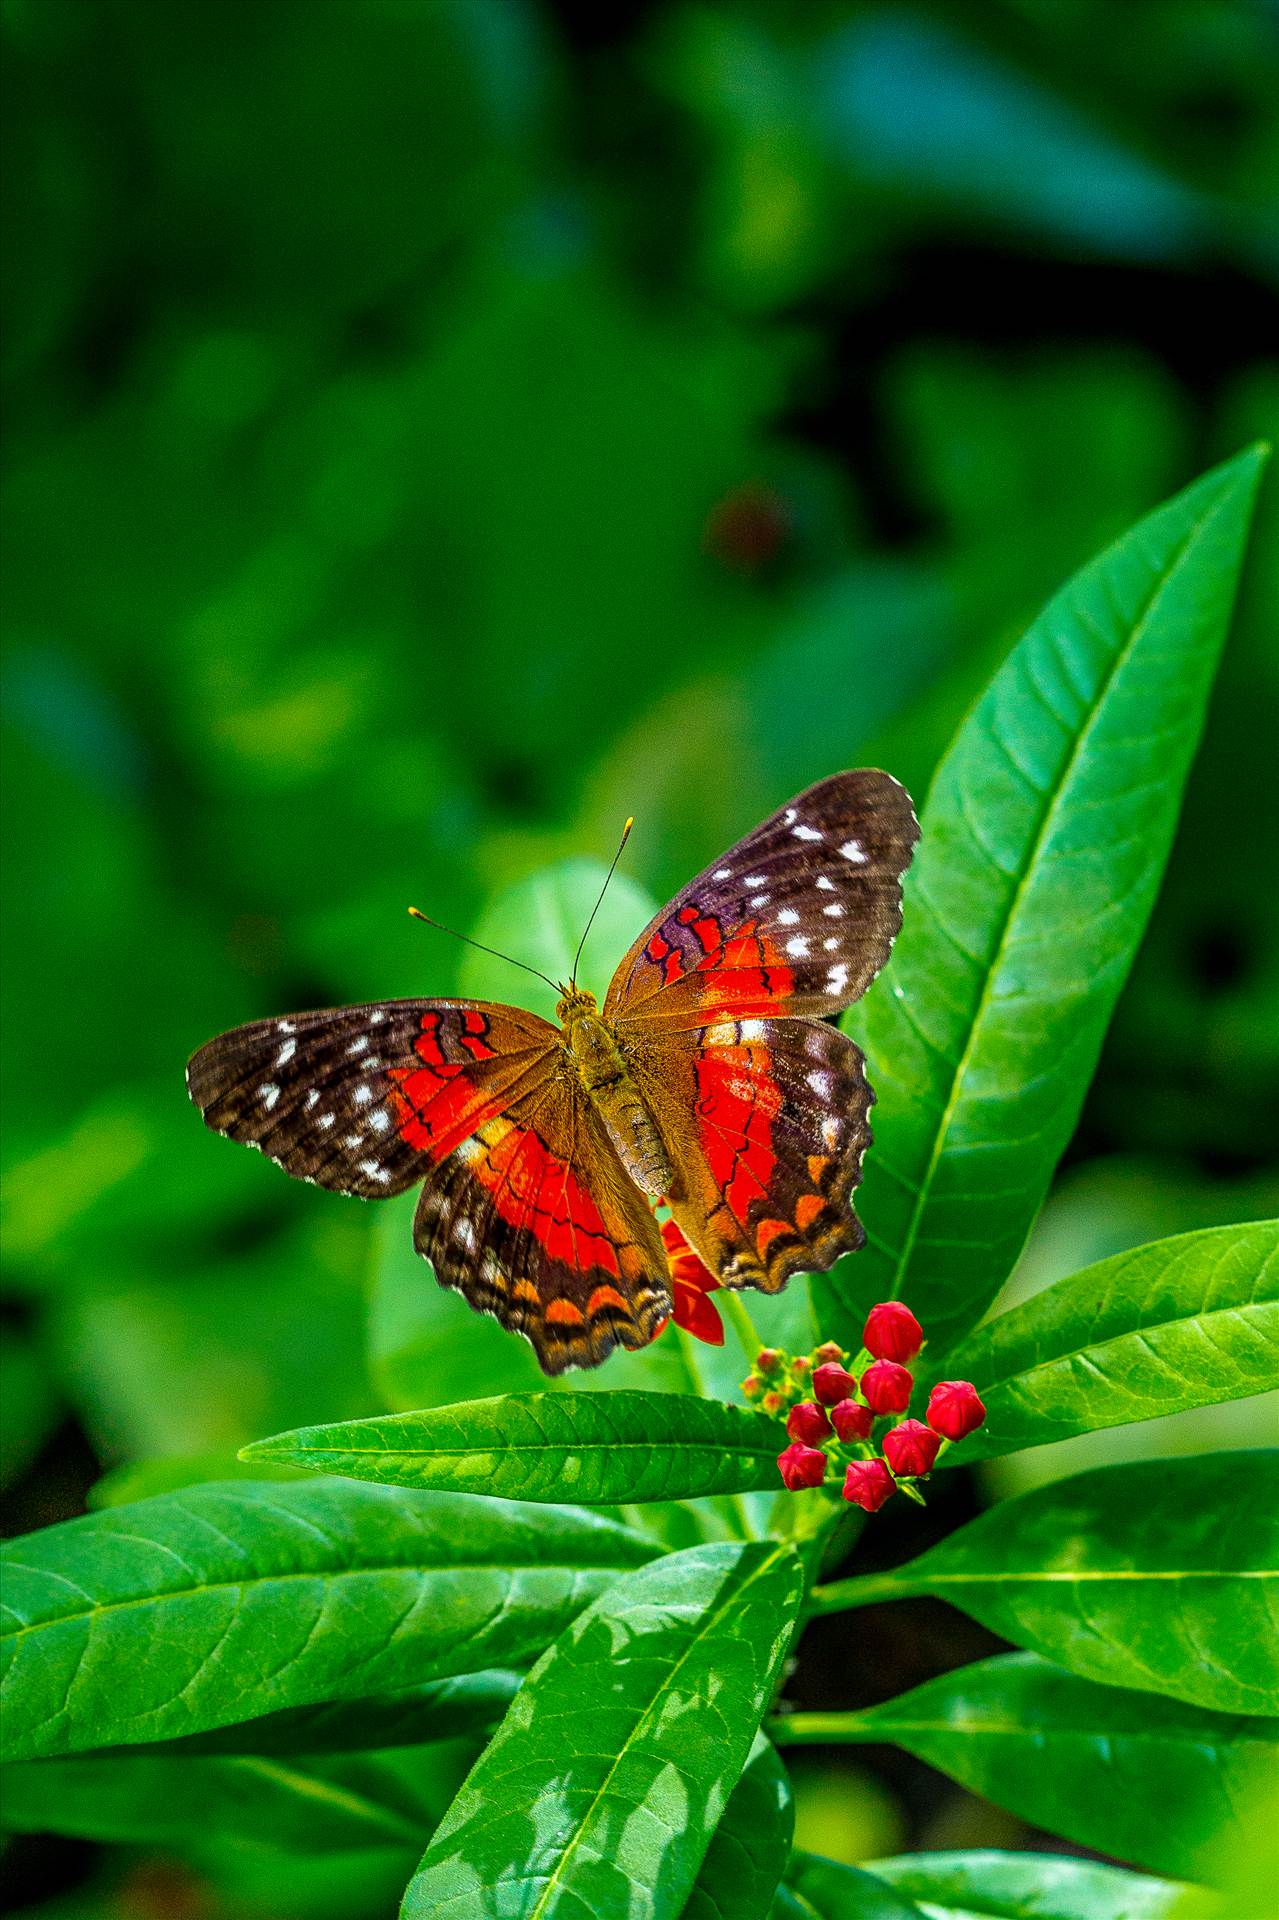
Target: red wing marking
column 737, row 1105
column 518, row 1169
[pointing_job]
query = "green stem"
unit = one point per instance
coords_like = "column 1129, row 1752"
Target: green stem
column 743, row 1326
column 733, row 1507
column 866, row 1590
column 819, row 1729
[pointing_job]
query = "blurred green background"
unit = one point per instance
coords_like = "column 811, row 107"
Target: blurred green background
column 439, row 428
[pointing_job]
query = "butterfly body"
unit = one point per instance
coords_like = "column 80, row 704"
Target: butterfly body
column 610, row 1084
column 710, row 1078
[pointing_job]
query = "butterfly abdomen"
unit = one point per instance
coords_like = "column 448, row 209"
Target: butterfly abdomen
column 618, row 1101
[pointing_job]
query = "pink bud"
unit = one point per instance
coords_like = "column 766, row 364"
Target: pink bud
column 752, row 1386
column 767, row 1359
column 800, row 1366
column 851, row 1421
column 954, row 1409
column 829, row 1350
column 801, row 1466
column 892, row 1332
column 832, row 1383
column 868, row 1483
column 772, row 1403
column 886, row 1387
column 808, row 1423
column 911, row 1449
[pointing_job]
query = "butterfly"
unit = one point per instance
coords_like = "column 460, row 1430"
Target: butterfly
column 710, row 1080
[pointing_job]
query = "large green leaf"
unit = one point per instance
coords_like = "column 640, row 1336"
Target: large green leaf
column 219, row 1603
column 1136, row 1775
column 465, row 1706
column 327, row 1803
column 1161, row 1575
column 1031, row 1886
column 750, row 1846
column 601, row 1790
column 596, row 1448
column 1181, row 1323
column 1045, row 835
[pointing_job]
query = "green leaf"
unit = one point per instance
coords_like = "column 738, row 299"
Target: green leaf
column 317, row 1804
column 220, row 1603
column 1044, row 838
column 1030, row 1886
column 1184, row 1322
column 624, row 1744
column 827, row 1890
column 1162, row 1575
column 1135, row 1775
column 750, row 1846
column 454, row 1709
column 594, row 1448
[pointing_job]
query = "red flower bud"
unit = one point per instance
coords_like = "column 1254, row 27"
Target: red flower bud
column 911, row 1449
column 772, row 1403
column 808, row 1423
column 767, row 1359
column 752, row 1386
column 851, row 1421
column 954, row 1409
column 829, row 1350
column 832, row 1383
column 802, row 1466
column 868, row 1483
column 800, row 1366
column 886, row 1387
column 892, row 1332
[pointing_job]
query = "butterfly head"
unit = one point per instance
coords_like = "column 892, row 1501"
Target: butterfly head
column 574, row 1001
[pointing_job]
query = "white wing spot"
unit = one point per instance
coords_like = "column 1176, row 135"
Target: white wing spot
column 789, row 815
column 362, row 1096
column 286, row 1053
column 837, row 978
column 834, row 911
column 788, row 917
column 381, row 1119
column 798, row 946
column 752, row 1030
column 831, row 944
column 826, row 884
column 801, row 832
column 753, row 880
column 464, row 1234
column 376, row 1017
column 312, row 1099
column 375, row 1172
column 285, row 1026
column 722, row 873
column 820, row 1083
column 353, row 1139
column 270, row 1094
column 759, row 899
column 854, row 851
column 830, row 1131
column 326, row 1121
column 469, row 1150
column 358, row 1046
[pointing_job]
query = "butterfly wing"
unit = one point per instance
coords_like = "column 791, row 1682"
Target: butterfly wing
column 534, row 1219
column 764, row 1109
column 766, row 1123
column 797, row 918
column 526, row 1209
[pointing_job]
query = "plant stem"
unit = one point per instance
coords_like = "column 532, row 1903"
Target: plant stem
column 819, row 1729
column 863, row 1591
column 743, row 1326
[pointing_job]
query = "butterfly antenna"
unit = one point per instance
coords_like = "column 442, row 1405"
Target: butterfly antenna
column 479, row 945
column 626, row 834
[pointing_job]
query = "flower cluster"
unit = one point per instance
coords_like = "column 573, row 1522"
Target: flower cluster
column 833, row 1412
